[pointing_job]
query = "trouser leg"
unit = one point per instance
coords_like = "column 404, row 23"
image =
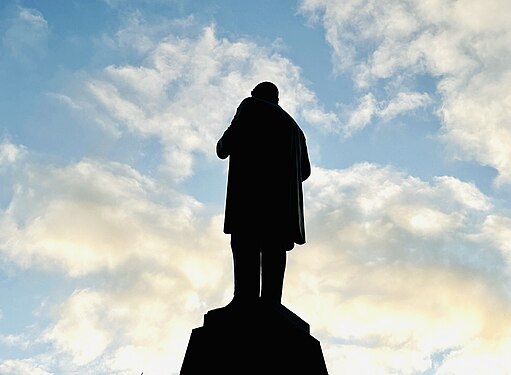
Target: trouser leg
column 273, row 268
column 246, row 260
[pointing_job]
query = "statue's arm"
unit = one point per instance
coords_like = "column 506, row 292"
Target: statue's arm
column 222, row 146
column 225, row 144
column 304, row 162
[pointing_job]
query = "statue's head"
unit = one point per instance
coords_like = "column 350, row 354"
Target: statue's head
column 266, row 91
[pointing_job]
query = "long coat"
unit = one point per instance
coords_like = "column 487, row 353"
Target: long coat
column 268, row 161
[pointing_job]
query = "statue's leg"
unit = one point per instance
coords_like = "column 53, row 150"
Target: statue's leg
column 247, row 265
column 273, row 268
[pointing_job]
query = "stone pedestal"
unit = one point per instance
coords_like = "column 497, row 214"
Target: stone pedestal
column 253, row 339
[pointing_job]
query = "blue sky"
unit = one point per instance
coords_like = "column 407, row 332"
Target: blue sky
column 111, row 207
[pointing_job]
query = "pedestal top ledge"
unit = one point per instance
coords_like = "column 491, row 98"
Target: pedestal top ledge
column 255, row 315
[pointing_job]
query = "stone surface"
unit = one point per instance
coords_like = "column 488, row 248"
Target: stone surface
column 258, row 338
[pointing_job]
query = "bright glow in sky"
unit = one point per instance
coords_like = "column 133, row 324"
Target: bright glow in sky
column 111, row 199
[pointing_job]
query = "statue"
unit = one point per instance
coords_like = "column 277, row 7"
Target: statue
column 268, row 161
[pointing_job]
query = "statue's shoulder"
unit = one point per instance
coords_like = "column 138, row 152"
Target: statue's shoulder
column 247, row 102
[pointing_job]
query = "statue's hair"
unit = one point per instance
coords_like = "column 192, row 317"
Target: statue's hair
column 267, row 91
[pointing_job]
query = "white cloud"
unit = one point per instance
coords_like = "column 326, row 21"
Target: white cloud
column 10, row 153
column 90, row 216
column 22, row 367
column 144, row 327
column 477, row 358
column 497, row 230
column 369, row 108
column 362, row 115
column 187, row 90
column 26, row 36
column 33, row 17
column 14, row 340
column 465, row 46
column 397, row 269
column 77, row 332
column 167, row 261
column 477, row 121
column 404, row 102
column 368, row 207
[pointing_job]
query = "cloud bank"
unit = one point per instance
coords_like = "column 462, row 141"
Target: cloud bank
column 399, row 275
column 186, row 91
column 463, row 46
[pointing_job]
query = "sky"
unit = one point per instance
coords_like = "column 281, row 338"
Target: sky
column 112, row 197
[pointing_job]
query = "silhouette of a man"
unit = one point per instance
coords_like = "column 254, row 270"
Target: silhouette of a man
column 268, row 161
